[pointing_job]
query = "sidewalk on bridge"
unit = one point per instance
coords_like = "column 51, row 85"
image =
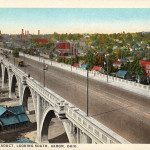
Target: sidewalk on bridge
column 124, row 86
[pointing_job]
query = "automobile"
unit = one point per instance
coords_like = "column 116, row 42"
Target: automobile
column 6, row 56
column 20, row 63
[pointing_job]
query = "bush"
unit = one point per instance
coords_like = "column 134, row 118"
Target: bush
column 66, row 61
column 15, row 53
column 63, row 59
column 59, row 59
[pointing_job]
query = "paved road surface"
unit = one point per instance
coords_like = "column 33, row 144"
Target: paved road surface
column 125, row 113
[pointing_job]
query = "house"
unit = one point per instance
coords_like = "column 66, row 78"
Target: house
column 83, row 66
column 100, row 69
column 75, row 65
column 123, row 74
column 146, row 65
column 12, row 117
column 63, row 54
column 63, row 47
column 41, row 41
column 117, row 64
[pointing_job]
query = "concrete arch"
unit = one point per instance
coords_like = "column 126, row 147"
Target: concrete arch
column 0, row 71
column 6, row 76
column 27, row 93
column 49, row 119
column 14, row 84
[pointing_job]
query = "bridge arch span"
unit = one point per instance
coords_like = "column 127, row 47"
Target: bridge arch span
column 0, row 71
column 6, row 76
column 28, row 100
column 46, row 119
column 14, row 85
column 50, row 121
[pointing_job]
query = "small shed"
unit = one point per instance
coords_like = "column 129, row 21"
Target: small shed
column 123, row 74
column 75, row 65
column 100, row 69
column 10, row 117
column 117, row 64
column 24, row 140
column 83, row 66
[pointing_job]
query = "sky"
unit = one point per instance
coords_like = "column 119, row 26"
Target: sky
column 74, row 20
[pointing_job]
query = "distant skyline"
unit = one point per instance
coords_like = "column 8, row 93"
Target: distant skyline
column 74, row 20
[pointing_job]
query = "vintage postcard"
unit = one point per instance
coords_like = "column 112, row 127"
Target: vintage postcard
column 74, row 74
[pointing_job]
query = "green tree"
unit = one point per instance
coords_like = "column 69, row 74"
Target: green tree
column 99, row 59
column 15, row 53
column 136, row 69
column 89, row 60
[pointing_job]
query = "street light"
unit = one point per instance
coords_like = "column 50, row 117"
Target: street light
column 24, row 61
column 14, row 61
column 107, row 65
column 71, row 62
column 87, row 96
column 45, row 68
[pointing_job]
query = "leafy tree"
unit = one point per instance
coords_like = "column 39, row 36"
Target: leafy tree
column 99, row 59
column 15, row 53
column 76, row 59
column 63, row 59
column 59, row 59
column 136, row 69
column 89, row 60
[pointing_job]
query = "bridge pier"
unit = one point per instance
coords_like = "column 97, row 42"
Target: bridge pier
column 85, row 138
column 39, row 104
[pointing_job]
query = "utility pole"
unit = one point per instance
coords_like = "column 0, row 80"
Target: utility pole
column 45, row 68
column 71, row 62
column 107, row 69
column 14, row 61
column 87, row 104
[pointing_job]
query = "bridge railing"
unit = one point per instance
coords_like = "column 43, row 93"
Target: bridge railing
column 91, row 73
column 93, row 127
column 55, row 100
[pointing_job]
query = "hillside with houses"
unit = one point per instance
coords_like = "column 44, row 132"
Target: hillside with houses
column 125, row 55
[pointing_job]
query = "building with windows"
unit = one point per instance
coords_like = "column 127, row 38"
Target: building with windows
column 146, row 65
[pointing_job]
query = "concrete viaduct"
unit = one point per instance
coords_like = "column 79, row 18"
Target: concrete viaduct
column 47, row 104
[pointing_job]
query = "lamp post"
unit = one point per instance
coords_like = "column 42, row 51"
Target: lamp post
column 87, row 96
column 14, row 61
column 71, row 62
column 107, row 65
column 45, row 68
column 71, row 45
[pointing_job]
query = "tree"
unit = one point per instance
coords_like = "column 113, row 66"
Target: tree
column 89, row 60
column 15, row 53
column 99, row 59
column 76, row 59
column 136, row 69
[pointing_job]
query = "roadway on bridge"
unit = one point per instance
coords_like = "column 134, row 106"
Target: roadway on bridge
column 125, row 113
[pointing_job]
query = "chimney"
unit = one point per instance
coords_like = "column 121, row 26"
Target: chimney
column 22, row 33
column 38, row 32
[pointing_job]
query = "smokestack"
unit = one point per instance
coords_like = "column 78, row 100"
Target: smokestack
column 25, row 32
column 38, row 32
column 22, row 33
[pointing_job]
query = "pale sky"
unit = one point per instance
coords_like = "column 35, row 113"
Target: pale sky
column 74, row 20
